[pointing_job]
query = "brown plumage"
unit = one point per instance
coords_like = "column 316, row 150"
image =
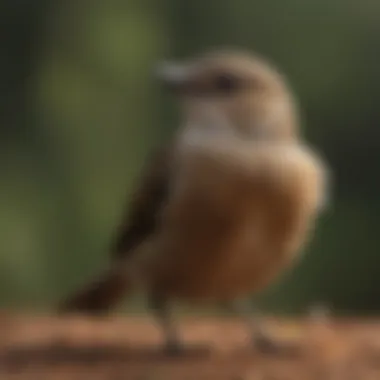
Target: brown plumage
column 229, row 204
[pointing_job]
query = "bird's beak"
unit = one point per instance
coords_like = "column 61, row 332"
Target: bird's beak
column 173, row 75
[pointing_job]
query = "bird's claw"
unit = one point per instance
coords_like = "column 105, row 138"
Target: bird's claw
column 269, row 346
column 173, row 349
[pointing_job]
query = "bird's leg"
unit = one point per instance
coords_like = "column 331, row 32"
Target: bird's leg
column 261, row 340
column 161, row 308
column 259, row 337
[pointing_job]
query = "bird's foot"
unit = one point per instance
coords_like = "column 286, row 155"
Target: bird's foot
column 174, row 349
column 267, row 345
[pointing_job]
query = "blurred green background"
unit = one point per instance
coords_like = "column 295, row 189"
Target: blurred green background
column 80, row 111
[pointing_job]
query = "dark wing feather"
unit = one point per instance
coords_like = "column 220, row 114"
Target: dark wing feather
column 150, row 195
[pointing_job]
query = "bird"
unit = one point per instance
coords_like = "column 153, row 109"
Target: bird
column 226, row 205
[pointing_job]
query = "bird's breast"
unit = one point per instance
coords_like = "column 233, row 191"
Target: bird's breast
column 231, row 225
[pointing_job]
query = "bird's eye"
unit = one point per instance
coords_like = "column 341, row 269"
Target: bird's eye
column 226, row 83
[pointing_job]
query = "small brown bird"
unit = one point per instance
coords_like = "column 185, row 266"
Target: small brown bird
column 227, row 205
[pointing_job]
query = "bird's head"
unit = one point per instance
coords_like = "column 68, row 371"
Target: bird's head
column 233, row 93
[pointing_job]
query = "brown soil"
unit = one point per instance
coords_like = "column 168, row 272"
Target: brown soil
column 40, row 347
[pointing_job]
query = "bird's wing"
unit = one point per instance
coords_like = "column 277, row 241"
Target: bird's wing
column 141, row 219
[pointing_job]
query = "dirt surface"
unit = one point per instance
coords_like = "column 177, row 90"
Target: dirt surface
column 33, row 347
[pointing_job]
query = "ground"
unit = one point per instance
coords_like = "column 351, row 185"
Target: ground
column 118, row 348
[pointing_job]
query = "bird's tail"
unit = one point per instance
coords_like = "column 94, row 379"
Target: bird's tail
column 99, row 296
